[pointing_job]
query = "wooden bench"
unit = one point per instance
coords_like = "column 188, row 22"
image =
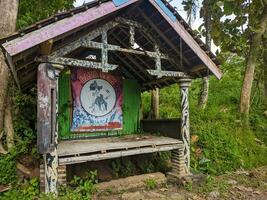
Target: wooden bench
column 79, row 151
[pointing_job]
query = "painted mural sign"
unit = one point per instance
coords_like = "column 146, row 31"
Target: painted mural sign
column 97, row 101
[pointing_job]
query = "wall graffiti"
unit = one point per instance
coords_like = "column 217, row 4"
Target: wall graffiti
column 97, row 101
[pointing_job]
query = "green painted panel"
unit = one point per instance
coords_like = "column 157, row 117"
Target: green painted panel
column 64, row 105
column 131, row 106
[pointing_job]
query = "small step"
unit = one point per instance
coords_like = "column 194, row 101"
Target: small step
column 131, row 183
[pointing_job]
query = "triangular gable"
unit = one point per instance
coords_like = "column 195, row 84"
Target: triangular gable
column 28, row 43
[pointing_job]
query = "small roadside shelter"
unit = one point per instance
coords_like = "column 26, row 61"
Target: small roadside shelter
column 91, row 64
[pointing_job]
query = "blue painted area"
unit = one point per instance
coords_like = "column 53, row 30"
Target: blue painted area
column 166, row 10
column 119, row 2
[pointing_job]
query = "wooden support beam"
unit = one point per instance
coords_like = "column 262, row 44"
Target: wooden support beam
column 85, row 40
column 198, row 68
column 76, row 63
column 132, row 35
column 148, row 35
column 13, row 70
column 150, row 23
column 117, row 154
column 110, row 47
column 46, row 47
column 130, row 67
column 162, row 73
column 134, row 61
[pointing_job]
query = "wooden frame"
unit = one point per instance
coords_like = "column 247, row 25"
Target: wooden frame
column 86, row 41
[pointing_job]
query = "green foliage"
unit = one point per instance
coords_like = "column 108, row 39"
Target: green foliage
column 29, row 190
column 82, row 189
column 151, row 184
column 31, row 11
column 211, row 184
column 24, row 126
column 224, row 142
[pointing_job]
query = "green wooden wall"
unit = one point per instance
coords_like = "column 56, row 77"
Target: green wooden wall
column 131, row 107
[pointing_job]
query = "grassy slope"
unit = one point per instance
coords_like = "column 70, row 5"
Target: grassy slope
column 221, row 141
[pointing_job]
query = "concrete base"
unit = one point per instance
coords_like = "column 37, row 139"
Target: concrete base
column 179, row 179
column 131, row 183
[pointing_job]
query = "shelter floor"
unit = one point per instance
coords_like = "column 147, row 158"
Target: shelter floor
column 78, row 151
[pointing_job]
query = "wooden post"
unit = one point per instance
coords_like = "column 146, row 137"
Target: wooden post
column 185, row 131
column 47, row 131
column 155, row 104
column 180, row 157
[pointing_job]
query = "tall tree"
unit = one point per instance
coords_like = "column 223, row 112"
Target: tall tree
column 239, row 27
column 253, row 55
column 206, row 14
column 8, row 12
column 190, row 6
column 31, row 11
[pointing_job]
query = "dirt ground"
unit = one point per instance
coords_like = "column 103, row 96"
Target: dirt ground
column 245, row 185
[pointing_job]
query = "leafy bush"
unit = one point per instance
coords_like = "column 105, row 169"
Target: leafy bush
column 82, row 189
column 24, row 116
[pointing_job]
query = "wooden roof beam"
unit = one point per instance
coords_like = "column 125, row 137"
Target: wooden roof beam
column 76, row 63
column 150, row 23
column 130, row 67
column 46, row 47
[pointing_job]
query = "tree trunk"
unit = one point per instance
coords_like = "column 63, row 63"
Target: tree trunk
column 251, row 63
column 205, row 86
column 9, row 129
column 265, row 77
column 8, row 13
column 265, row 82
column 4, row 74
column 154, row 110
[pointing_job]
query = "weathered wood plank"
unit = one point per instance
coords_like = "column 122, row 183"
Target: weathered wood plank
column 66, row 148
column 161, row 73
column 46, row 47
column 85, row 40
column 111, row 155
column 76, row 63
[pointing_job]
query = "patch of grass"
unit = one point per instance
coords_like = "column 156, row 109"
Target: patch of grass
column 224, row 143
column 151, row 184
column 213, row 184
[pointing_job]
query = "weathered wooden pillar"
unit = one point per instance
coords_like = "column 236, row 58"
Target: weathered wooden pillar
column 47, row 133
column 185, row 131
